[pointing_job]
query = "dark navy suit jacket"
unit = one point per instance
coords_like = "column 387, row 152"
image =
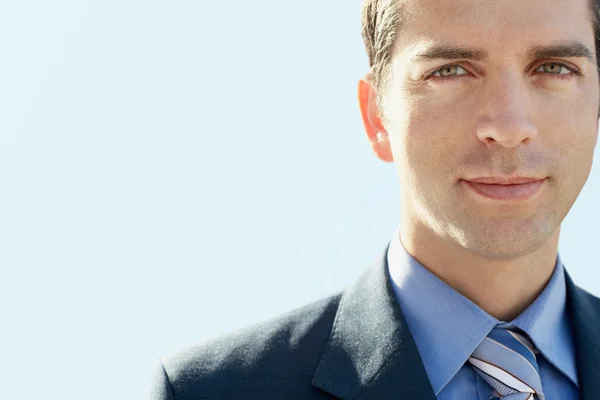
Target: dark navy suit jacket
column 354, row 345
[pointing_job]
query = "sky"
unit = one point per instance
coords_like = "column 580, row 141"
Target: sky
column 173, row 171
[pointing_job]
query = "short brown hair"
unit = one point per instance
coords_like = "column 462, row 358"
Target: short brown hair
column 381, row 21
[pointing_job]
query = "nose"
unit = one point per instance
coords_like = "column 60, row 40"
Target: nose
column 506, row 119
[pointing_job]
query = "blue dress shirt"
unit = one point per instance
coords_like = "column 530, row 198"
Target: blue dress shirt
column 447, row 327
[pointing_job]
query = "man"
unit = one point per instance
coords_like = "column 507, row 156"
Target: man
column 489, row 110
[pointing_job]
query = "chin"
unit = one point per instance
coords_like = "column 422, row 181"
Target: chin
column 506, row 240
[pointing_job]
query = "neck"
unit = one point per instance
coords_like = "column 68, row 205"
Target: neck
column 503, row 288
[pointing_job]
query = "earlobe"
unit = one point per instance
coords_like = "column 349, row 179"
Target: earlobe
column 374, row 128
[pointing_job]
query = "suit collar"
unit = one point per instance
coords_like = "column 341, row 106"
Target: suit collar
column 585, row 315
column 371, row 353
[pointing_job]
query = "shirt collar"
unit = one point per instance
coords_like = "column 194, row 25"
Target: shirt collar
column 547, row 324
column 465, row 325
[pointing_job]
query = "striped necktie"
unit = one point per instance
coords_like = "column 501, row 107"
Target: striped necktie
column 506, row 361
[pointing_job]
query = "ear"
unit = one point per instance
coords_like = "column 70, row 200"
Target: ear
column 376, row 133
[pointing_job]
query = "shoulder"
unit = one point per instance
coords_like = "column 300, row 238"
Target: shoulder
column 586, row 301
column 297, row 329
column 283, row 351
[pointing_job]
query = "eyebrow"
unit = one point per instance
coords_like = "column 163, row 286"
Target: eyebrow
column 562, row 50
column 446, row 52
column 569, row 49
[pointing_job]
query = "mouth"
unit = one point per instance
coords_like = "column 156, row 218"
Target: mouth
column 505, row 189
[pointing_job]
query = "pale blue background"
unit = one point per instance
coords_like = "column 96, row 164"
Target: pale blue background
column 171, row 171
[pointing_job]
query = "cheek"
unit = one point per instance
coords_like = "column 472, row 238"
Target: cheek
column 434, row 133
column 569, row 125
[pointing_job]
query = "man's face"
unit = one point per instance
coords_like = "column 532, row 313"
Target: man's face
column 521, row 100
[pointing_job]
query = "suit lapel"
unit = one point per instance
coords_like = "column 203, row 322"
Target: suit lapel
column 585, row 314
column 371, row 353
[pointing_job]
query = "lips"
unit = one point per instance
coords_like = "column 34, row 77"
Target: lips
column 505, row 189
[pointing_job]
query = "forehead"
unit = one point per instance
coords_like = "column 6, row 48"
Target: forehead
column 503, row 25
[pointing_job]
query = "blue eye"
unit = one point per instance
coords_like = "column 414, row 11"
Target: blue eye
column 449, row 71
column 554, row 68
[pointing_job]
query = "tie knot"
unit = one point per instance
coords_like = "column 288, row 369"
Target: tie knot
column 506, row 360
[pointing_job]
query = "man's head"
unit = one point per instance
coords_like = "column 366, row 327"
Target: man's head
column 466, row 89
